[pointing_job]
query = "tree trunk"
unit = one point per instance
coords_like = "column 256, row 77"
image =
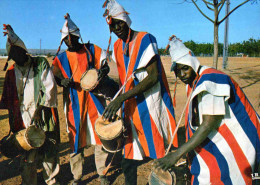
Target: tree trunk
column 216, row 24
column 215, row 57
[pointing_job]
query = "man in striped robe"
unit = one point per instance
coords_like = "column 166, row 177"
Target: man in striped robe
column 222, row 127
column 30, row 95
column 147, row 109
column 81, row 107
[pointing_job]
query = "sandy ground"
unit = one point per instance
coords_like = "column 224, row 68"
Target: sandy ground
column 246, row 71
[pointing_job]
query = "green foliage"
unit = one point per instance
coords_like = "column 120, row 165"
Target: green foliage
column 162, row 51
column 250, row 48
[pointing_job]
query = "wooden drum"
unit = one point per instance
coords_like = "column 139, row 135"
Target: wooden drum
column 178, row 175
column 110, row 134
column 158, row 176
column 106, row 86
column 89, row 80
column 24, row 140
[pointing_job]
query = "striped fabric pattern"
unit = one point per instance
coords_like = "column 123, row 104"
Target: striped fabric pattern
column 150, row 116
column 231, row 153
column 81, row 108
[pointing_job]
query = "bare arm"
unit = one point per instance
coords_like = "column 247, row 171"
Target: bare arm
column 210, row 123
column 59, row 78
column 150, row 80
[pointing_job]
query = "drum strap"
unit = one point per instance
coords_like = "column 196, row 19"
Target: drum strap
column 37, row 104
column 179, row 122
column 122, row 87
column 89, row 55
column 108, row 166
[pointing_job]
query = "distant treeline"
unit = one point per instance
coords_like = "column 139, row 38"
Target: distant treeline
column 249, row 48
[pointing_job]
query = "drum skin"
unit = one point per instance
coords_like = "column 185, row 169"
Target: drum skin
column 178, row 175
column 30, row 138
column 158, row 176
column 105, row 86
column 89, row 80
column 110, row 134
column 22, row 141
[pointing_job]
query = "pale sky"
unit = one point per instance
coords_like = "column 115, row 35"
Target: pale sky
column 35, row 20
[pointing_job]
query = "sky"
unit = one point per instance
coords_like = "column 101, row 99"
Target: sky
column 41, row 20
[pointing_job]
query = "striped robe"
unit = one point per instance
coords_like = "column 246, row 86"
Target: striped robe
column 230, row 153
column 81, row 108
column 22, row 108
column 150, row 116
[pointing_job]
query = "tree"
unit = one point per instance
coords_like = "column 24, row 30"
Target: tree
column 216, row 6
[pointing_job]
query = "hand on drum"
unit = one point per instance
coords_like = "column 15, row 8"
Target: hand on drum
column 167, row 162
column 37, row 117
column 112, row 108
column 103, row 71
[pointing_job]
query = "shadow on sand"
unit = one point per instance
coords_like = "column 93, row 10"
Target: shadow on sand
column 9, row 168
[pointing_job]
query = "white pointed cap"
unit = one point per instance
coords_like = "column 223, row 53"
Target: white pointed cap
column 69, row 27
column 180, row 54
column 116, row 11
column 12, row 39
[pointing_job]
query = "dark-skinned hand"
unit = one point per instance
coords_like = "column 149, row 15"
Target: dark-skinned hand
column 37, row 117
column 111, row 110
column 167, row 162
column 66, row 82
column 103, row 71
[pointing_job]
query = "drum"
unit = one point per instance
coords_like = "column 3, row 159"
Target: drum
column 105, row 86
column 110, row 134
column 89, row 80
column 158, row 176
column 24, row 140
column 179, row 175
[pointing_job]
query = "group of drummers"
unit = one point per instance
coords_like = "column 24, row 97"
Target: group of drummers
column 134, row 117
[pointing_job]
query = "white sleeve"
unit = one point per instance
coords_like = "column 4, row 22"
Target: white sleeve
column 102, row 56
column 210, row 104
column 113, row 56
column 50, row 88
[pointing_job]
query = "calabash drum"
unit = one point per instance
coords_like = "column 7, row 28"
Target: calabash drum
column 110, row 134
column 89, row 80
column 179, row 175
column 158, row 176
column 105, row 86
column 24, row 140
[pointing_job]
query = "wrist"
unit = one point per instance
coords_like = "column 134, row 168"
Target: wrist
column 122, row 98
column 179, row 153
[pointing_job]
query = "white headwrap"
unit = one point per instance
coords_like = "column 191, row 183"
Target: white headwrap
column 180, row 54
column 69, row 27
column 12, row 39
column 116, row 11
